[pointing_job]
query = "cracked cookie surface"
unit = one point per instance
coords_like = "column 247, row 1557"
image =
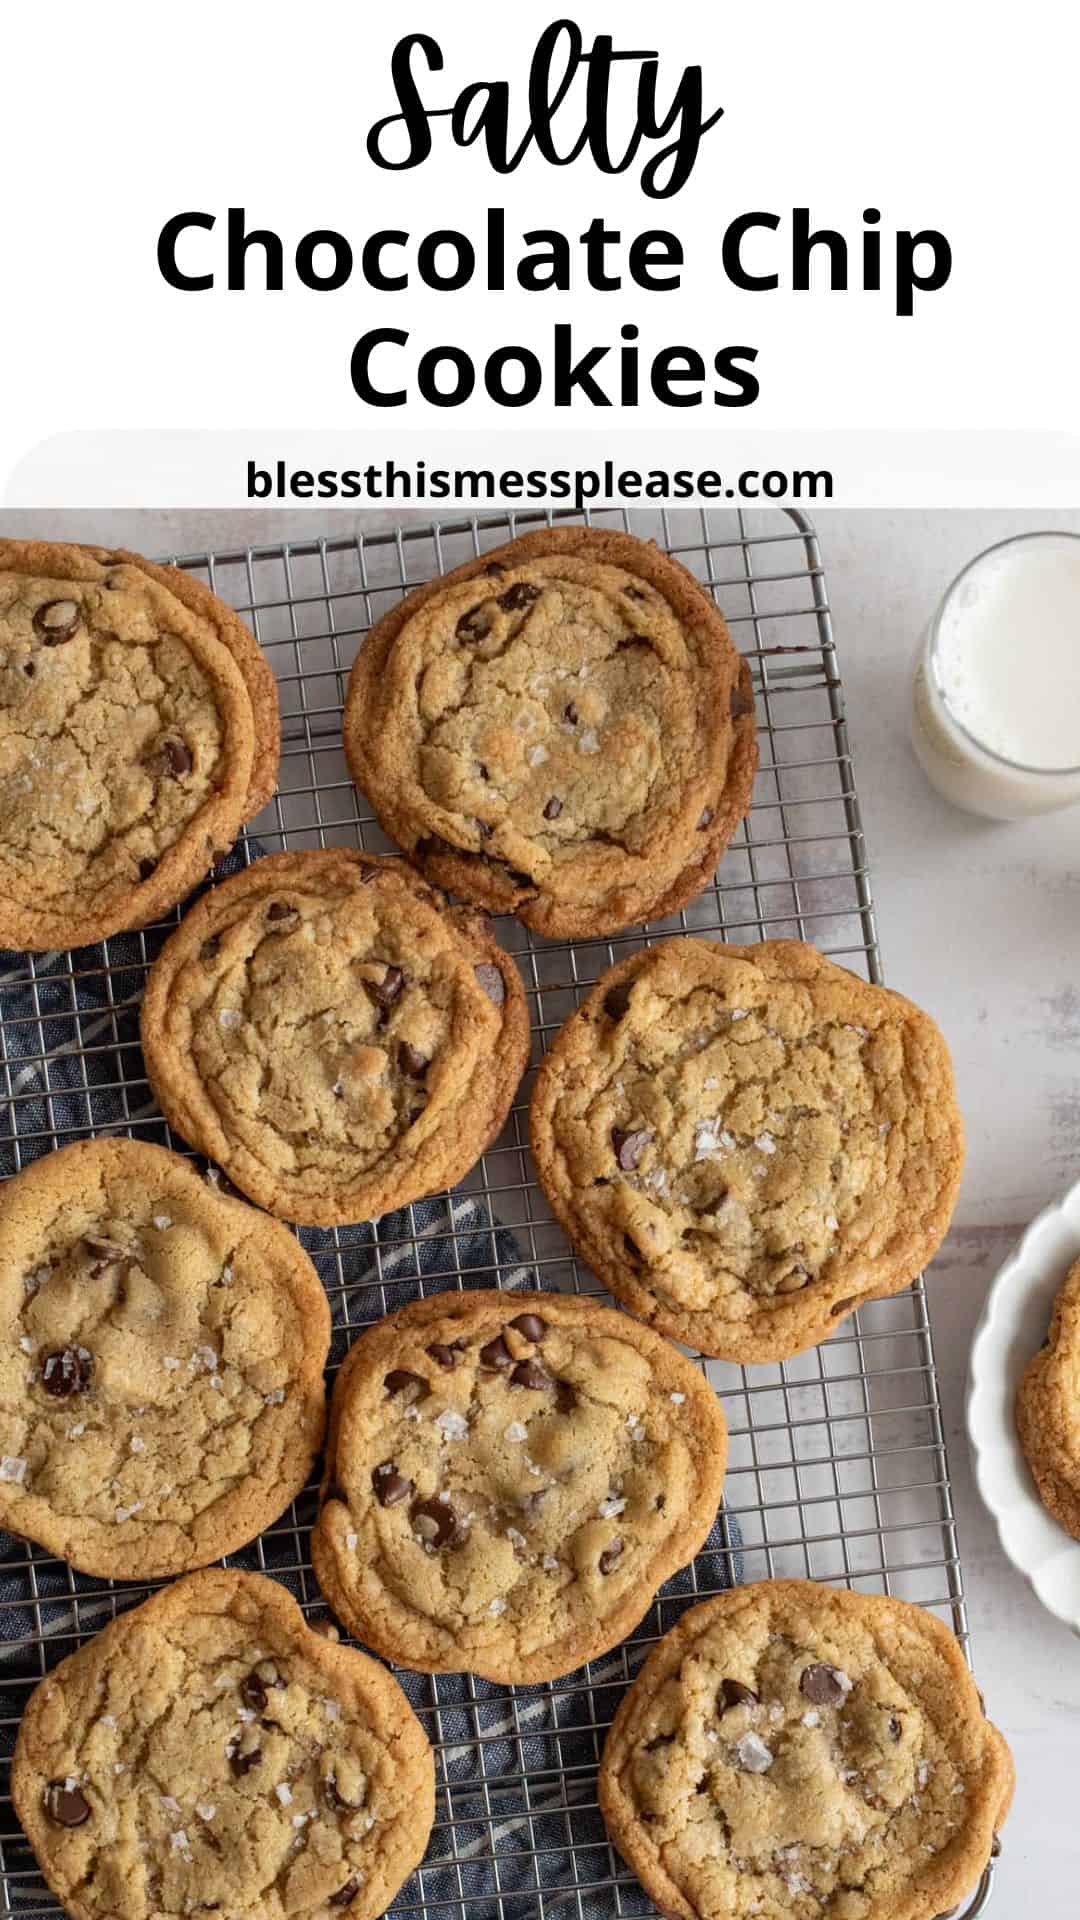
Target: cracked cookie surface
column 1048, row 1410
column 561, row 729
column 138, row 729
column 209, row 1752
column 161, row 1367
column 747, row 1142
column 334, row 1035
column 509, row 1479
column 796, row 1752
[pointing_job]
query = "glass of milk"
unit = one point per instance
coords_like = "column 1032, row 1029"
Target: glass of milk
column 996, row 724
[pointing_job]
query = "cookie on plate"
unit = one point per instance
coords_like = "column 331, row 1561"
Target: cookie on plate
column 1048, row 1410
column 208, row 1752
column 138, row 731
column 791, row 1750
column 161, row 1362
column 746, row 1143
column 509, row 1479
column 334, row 1035
column 560, row 729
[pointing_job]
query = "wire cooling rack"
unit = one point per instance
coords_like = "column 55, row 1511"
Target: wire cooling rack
column 837, row 1469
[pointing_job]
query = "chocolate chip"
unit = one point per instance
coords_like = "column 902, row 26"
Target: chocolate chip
column 705, row 820
column 482, row 771
column 530, row 1326
column 445, row 1356
column 632, row 1251
column 616, row 1001
column 822, row 1684
column 29, row 668
column 732, row 1693
column 280, row 910
column 843, row 1306
column 436, row 1522
column 66, row 1806
column 411, row 1386
column 740, row 703
column 474, row 625
column 894, row 1727
column 521, row 594
column 661, row 1740
column 111, row 1249
column 56, row 621
column 210, row 949
column 496, row 1356
column 570, row 713
column 384, row 992
column 553, row 808
column 629, row 1147
column 343, row 1781
column 529, row 1373
column 66, row 1371
column 175, row 758
column 611, row 1555
column 242, row 1763
column 494, row 569
column 146, row 868
column 346, row 1893
column 565, row 1396
column 390, row 1485
column 635, row 593
column 411, row 1060
column 492, row 982
column 254, row 1686
column 434, row 843
column 531, row 1503
column 485, row 829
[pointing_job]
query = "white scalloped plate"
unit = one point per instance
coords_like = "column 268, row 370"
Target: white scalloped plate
column 1012, row 1329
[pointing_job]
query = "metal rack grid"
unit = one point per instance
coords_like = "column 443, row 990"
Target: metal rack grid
column 837, row 1469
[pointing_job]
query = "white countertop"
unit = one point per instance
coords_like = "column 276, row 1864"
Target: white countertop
column 981, row 924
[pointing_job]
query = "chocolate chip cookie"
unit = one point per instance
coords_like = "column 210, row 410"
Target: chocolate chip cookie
column 138, row 730
column 747, row 1142
column 560, row 729
column 1048, row 1410
column 509, row 1479
column 208, row 1752
column 161, row 1365
column 791, row 1750
column 334, row 1035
